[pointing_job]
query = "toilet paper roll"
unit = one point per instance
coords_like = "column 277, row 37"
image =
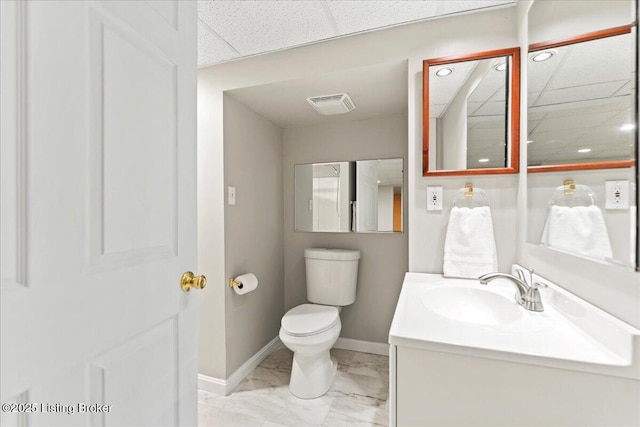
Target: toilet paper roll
column 249, row 283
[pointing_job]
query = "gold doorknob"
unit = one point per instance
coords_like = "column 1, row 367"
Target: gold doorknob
column 189, row 281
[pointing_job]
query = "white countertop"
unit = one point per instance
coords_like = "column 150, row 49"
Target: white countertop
column 569, row 334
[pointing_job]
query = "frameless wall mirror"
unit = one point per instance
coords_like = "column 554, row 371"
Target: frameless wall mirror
column 582, row 130
column 581, row 102
column 471, row 110
column 363, row 196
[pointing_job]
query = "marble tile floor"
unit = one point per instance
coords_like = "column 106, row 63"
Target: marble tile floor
column 357, row 398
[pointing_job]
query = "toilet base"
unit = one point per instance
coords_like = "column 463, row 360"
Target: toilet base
column 311, row 377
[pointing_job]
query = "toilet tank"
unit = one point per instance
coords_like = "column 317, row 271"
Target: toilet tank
column 332, row 275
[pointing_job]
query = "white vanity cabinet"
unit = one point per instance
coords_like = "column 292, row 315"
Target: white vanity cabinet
column 577, row 367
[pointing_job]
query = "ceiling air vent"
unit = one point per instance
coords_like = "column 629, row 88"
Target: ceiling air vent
column 332, row 104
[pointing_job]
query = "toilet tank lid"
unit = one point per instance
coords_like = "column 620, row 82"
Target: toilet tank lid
column 332, row 254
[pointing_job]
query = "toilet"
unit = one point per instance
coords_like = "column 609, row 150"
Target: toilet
column 310, row 330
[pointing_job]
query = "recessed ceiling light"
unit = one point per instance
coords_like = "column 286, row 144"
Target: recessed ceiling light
column 483, row 160
column 501, row 67
column 584, row 150
column 542, row 56
column 628, row 126
column 529, row 141
column 378, row 181
column 442, row 72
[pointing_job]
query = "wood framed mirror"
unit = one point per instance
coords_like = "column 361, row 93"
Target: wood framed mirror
column 581, row 102
column 471, row 114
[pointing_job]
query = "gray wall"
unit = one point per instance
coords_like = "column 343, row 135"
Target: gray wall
column 384, row 257
column 253, row 230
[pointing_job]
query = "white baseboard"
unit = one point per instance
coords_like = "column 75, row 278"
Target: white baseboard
column 211, row 384
column 224, row 387
column 363, row 346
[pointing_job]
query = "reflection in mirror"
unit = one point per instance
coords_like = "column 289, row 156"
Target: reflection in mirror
column 361, row 196
column 323, row 196
column 468, row 108
column 378, row 204
column 581, row 119
column 580, row 94
column 581, row 218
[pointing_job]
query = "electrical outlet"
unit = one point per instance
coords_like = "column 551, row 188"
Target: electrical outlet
column 434, row 198
column 616, row 194
column 232, row 195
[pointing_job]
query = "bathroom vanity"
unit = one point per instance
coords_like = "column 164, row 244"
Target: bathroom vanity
column 463, row 353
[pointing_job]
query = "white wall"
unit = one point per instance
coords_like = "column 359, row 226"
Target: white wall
column 426, row 240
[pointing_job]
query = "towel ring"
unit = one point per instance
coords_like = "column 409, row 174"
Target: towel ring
column 579, row 195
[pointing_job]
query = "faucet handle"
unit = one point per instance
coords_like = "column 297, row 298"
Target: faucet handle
column 537, row 285
column 531, row 276
column 521, row 276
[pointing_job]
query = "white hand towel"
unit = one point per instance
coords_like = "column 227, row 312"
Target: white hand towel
column 580, row 230
column 470, row 247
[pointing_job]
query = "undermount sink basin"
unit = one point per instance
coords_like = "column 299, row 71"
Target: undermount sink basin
column 471, row 305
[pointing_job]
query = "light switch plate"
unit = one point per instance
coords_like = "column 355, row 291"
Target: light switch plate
column 434, row 198
column 616, row 194
column 232, row 195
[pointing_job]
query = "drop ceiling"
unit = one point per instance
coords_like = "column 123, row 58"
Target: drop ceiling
column 580, row 98
column 230, row 30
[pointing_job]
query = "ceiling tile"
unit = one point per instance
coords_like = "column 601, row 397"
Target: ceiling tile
column 584, row 121
column 596, row 61
column 253, row 27
column 539, row 73
column 355, row 16
column 212, row 49
column 556, row 136
column 358, row 15
column 455, row 6
column 487, row 123
column 616, row 104
column 491, row 109
column 486, row 134
column 579, row 93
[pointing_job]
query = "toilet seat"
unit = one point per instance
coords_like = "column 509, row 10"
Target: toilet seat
column 309, row 319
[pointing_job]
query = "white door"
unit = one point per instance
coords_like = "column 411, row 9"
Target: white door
column 98, row 212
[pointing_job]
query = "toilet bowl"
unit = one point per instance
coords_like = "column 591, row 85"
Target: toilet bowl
column 310, row 330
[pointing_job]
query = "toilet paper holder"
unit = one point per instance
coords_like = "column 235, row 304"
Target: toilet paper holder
column 234, row 282
column 244, row 283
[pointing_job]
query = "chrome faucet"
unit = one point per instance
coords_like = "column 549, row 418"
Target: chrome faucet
column 527, row 293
